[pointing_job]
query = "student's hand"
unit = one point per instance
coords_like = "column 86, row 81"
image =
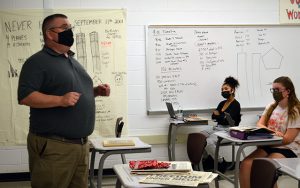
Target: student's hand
column 278, row 133
column 70, row 99
column 216, row 112
column 103, row 90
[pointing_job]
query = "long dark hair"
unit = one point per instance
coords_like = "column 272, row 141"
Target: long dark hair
column 293, row 101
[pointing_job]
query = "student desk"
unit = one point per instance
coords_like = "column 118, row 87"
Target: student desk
column 242, row 145
column 140, row 147
column 174, row 125
column 127, row 180
column 291, row 167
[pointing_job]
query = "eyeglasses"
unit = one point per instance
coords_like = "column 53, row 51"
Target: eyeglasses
column 63, row 27
column 276, row 90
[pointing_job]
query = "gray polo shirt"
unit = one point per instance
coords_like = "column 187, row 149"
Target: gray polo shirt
column 54, row 74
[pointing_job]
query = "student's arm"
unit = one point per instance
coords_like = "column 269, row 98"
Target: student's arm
column 39, row 100
column 290, row 135
column 235, row 112
column 261, row 123
column 216, row 113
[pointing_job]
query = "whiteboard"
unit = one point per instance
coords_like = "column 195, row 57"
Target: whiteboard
column 186, row 65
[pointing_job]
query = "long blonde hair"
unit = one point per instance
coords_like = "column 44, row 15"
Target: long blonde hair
column 293, row 101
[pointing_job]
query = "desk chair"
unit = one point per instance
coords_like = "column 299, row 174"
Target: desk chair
column 118, row 132
column 264, row 173
column 196, row 144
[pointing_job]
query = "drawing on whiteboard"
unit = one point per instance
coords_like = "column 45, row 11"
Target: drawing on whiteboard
column 272, row 59
column 81, row 49
column 254, row 86
column 94, row 43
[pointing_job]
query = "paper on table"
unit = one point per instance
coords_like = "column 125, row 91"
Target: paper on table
column 192, row 179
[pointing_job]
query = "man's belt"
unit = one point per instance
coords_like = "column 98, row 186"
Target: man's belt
column 63, row 139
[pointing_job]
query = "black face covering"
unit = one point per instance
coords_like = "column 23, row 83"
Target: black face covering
column 225, row 94
column 66, row 37
column 277, row 96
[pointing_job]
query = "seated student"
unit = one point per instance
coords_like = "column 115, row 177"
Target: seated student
column 231, row 106
column 282, row 116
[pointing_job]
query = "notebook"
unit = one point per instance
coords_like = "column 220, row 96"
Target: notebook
column 186, row 117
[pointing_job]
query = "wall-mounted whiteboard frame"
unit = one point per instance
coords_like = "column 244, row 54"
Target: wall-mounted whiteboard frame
column 230, row 44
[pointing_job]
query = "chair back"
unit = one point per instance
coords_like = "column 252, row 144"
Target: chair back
column 119, row 127
column 264, row 173
column 196, row 144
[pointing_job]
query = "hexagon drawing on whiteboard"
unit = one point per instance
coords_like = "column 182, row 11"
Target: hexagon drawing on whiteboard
column 272, row 59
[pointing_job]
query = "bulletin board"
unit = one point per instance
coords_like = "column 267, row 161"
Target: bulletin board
column 100, row 47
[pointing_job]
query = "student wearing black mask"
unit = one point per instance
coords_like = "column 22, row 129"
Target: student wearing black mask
column 231, row 106
column 60, row 94
column 283, row 117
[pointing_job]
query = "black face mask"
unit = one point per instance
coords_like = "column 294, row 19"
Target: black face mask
column 277, row 96
column 226, row 94
column 66, row 37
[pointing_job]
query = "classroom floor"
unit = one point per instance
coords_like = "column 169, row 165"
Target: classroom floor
column 109, row 182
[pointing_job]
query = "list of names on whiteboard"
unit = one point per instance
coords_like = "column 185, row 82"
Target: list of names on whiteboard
column 172, row 58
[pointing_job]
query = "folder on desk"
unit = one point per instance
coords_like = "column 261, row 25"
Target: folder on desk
column 250, row 133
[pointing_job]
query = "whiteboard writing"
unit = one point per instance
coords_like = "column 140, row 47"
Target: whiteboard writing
column 186, row 65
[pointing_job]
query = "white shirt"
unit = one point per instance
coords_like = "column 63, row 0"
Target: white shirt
column 279, row 122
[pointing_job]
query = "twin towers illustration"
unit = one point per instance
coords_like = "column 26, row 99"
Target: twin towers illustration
column 95, row 51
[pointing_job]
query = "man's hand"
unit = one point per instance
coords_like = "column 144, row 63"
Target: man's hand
column 70, row 99
column 102, row 90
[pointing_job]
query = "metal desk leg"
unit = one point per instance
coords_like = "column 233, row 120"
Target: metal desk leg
column 216, row 160
column 237, row 164
column 91, row 177
column 123, row 158
column 169, row 142
column 118, row 183
column 173, row 142
column 100, row 169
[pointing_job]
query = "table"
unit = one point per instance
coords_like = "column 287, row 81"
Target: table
column 174, row 125
column 140, row 147
column 291, row 167
column 125, row 179
column 242, row 145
